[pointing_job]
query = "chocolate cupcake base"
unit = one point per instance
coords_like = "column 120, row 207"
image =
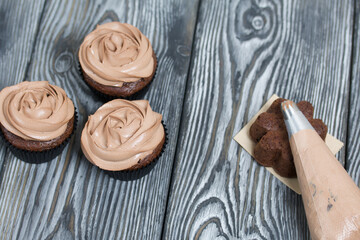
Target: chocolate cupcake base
column 130, row 175
column 38, row 157
column 130, row 91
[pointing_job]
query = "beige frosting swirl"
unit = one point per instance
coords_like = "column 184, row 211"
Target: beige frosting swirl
column 120, row 133
column 115, row 53
column 35, row 110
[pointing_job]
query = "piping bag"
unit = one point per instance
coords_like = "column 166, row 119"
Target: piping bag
column 331, row 198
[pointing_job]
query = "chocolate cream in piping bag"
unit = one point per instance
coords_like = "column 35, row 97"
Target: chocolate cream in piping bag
column 35, row 110
column 120, row 133
column 115, row 53
column 331, row 198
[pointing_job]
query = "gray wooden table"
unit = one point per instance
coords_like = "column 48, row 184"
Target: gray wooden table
column 219, row 61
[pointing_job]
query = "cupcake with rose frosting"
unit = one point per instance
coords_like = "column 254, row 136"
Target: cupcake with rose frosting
column 36, row 119
column 123, row 136
column 117, row 60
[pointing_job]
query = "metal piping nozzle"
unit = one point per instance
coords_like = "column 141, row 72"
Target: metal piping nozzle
column 294, row 118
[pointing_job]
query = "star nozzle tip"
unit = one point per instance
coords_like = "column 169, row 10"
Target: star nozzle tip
column 294, row 118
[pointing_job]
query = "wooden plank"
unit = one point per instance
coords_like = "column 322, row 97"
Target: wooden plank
column 19, row 22
column 353, row 141
column 69, row 198
column 244, row 52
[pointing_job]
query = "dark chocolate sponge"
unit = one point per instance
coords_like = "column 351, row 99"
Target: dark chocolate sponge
column 273, row 147
column 31, row 145
column 126, row 90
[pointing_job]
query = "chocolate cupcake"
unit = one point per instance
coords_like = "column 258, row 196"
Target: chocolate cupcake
column 117, row 60
column 123, row 137
column 36, row 120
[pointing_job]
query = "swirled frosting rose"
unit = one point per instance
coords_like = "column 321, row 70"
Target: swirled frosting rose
column 120, row 133
column 35, row 110
column 115, row 53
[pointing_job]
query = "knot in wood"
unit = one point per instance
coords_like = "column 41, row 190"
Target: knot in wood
column 63, row 62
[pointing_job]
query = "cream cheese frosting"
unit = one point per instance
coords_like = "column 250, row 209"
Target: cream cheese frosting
column 120, row 133
column 116, row 53
column 35, row 110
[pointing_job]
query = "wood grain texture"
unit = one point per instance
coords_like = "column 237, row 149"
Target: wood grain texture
column 19, row 22
column 69, row 198
column 353, row 141
column 246, row 50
